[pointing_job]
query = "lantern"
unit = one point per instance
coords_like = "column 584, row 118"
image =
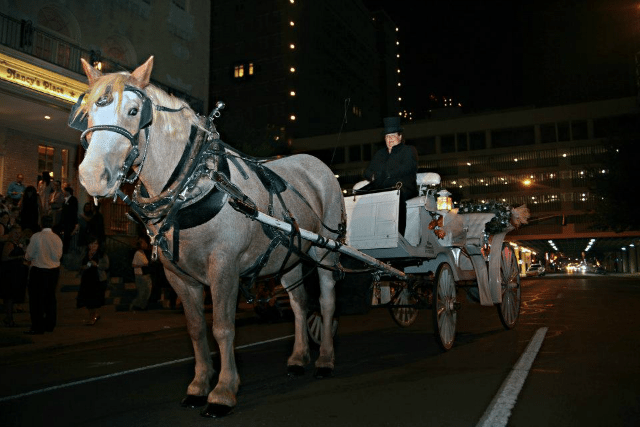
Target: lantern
column 444, row 201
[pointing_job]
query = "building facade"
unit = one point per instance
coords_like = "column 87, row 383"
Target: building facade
column 41, row 43
column 541, row 157
column 289, row 69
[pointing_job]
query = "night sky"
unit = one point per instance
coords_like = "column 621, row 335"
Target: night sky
column 495, row 54
column 467, row 50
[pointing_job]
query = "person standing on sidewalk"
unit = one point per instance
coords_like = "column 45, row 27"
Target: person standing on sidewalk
column 93, row 282
column 142, row 274
column 44, row 252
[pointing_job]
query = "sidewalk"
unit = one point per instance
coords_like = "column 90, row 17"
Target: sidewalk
column 72, row 333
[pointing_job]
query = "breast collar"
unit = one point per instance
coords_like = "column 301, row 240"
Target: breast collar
column 190, row 197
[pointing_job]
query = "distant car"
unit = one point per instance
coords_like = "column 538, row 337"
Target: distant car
column 535, row 270
column 599, row 270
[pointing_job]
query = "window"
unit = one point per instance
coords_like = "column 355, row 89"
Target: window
column 238, row 71
column 366, row 152
column 64, row 171
column 425, row 146
column 45, row 158
column 447, row 144
column 354, row 153
column 563, row 131
column 579, row 130
column 244, row 70
column 477, row 140
column 461, row 142
column 615, row 126
column 501, row 138
column 548, row 132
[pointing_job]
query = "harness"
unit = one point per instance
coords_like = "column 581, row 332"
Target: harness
column 199, row 187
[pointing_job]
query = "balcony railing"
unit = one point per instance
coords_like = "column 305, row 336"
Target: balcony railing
column 20, row 35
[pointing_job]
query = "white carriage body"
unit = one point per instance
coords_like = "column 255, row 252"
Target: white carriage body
column 372, row 227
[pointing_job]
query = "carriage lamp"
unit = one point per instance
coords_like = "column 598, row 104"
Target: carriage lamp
column 444, row 201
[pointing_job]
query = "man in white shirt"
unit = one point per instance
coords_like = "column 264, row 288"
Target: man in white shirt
column 44, row 252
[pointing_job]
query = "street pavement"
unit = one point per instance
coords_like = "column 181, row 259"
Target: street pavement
column 71, row 331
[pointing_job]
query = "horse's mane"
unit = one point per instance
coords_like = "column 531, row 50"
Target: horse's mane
column 109, row 84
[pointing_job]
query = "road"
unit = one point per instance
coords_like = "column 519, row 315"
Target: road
column 587, row 372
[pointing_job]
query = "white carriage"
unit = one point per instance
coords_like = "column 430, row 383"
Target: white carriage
column 441, row 251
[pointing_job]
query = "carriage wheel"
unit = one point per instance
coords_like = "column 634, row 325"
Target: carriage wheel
column 314, row 326
column 509, row 309
column 445, row 307
column 400, row 295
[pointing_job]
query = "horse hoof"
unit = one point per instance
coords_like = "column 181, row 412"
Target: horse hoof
column 192, row 401
column 295, row 370
column 323, row 373
column 216, row 410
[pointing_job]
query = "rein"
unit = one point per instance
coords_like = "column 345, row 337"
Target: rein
column 204, row 161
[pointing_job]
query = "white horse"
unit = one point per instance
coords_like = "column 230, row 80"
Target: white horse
column 131, row 123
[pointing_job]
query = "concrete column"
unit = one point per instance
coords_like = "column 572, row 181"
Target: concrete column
column 633, row 259
column 617, row 262
column 624, row 262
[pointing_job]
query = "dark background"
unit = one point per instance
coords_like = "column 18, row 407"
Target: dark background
column 495, row 54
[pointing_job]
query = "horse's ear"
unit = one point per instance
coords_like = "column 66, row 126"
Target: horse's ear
column 143, row 73
column 92, row 73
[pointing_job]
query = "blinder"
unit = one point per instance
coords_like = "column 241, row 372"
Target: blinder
column 80, row 121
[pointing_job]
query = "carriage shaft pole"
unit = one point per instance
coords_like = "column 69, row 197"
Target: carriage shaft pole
column 330, row 244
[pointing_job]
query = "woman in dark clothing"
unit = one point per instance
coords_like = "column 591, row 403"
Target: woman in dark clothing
column 30, row 210
column 14, row 273
column 93, row 282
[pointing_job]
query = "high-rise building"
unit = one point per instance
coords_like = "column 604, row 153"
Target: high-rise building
column 287, row 69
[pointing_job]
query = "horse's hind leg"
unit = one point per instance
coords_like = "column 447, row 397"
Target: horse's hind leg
column 192, row 297
column 298, row 299
column 326, row 359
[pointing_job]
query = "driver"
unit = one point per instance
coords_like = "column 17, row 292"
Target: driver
column 396, row 163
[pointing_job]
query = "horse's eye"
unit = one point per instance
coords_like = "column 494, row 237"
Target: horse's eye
column 133, row 111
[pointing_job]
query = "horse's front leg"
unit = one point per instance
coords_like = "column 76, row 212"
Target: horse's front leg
column 192, row 296
column 326, row 359
column 224, row 282
column 298, row 299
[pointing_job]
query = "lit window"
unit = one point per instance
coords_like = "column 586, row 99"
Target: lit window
column 238, row 71
column 64, row 171
column 45, row 158
column 251, row 68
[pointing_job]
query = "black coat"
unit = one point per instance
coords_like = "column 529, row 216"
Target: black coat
column 387, row 169
column 69, row 215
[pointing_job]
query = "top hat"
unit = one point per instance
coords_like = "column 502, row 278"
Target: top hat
column 391, row 125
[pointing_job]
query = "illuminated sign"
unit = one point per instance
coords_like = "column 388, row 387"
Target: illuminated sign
column 39, row 79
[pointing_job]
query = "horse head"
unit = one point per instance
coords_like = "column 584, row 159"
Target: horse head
column 111, row 115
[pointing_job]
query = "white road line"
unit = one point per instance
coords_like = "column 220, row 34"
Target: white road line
column 499, row 411
column 117, row 374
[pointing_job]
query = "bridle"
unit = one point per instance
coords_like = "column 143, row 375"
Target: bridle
column 79, row 122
